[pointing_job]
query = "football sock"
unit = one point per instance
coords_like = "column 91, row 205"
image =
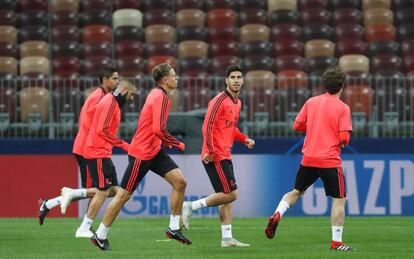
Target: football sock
column 337, row 233
column 86, row 223
column 282, row 207
column 195, row 205
column 174, row 222
column 226, row 231
column 79, row 193
column 53, row 202
column 102, row 231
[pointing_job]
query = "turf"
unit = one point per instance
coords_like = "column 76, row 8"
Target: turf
column 382, row 237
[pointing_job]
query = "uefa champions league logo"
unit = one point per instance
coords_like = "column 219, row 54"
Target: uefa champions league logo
column 138, row 202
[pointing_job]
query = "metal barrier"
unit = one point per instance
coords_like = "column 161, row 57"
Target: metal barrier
column 49, row 108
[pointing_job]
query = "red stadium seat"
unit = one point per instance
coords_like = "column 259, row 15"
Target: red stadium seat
column 66, row 67
column 155, row 60
column 346, row 16
column 312, row 4
column 409, row 64
column 407, row 47
column 345, row 47
column 258, row 63
column 97, row 34
column 220, row 63
column 381, row 63
column 195, row 90
column 8, row 49
column 291, row 79
column 285, row 32
column 288, row 47
column 159, row 16
column 131, row 66
column 217, row 4
column 161, row 49
column 189, row 4
column 221, row 18
column 66, row 33
column 7, row 17
column 65, row 18
column 129, row 48
column 94, row 64
column 290, row 62
column 257, row 16
column 88, row 5
column 320, row 64
column 222, row 48
column 223, row 34
column 27, row 5
column 315, row 16
column 103, row 49
column 380, row 33
column 360, row 98
column 127, row 4
column 260, row 48
column 349, row 32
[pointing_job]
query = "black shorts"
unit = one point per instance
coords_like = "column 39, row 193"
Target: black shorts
column 161, row 164
column 103, row 173
column 333, row 180
column 86, row 179
column 221, row 175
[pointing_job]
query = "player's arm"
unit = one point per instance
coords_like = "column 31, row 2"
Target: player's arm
column 345, row 127
column 243, row 138
column 159, row 123
column 106, row 117
column 210, row 121
column 300, row 121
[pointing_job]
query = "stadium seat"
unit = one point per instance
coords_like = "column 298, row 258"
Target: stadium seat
column 129, row 48
column 290, row 99
column 360, row 98
column 65, row 33
column 257, row 16
column 349, row 32
column 33, row 18
column 127, row 4
column 157, row 4
column 311, row 32
column 192, row 48
column 353, row 4
column 254, row 32
column 283, row 17
column 88, row 5
column 382, row 63
column 8, row 5
column 95, row 49
column 66, row 67
column 315, row 16
column 291, row 79
column 129, row 33
column 65, row 18
column 273, row 5
column 28, row 5
column 258, row 63
column 223, row 34
column 220, row 4
column 350, row 63
column 320, row 64
column 285, row 32
column 131, row 66
column 312, row 4
column 345, row 47
column 346, row 16
column 127, row 17
column 33, row 33
column 288, row 47
column 8, row 65
column 190, row 17
column 380, row 32
column 7, row 17
column 34, row 100
column 97, row 34
column 261, row 48
column 64, row 5
column 34, row 48
column 378, row 16
column 155, row 60
column 195, row 90
column 383, row 47
column 222, row 48
column 252, row 4
column 221, row 18
column 159, row 16
column 8, row 34
column 404, row 16
column 220, row 63
column 192, row 33
column 194, row 64
column 406, row 32
column 34, row 64
column 290, row 62
column 371, row 4
column 160, row 33
column 8, row 49
column 403, row 4
column 318, row 48
column 189, row 4
column 407, row 47
column 66, row 49
column 8, row 106
column 94, row 64
column 409, row 64
column 161, row 49
column 66, row 103
column 357, row 78
column 95, row 17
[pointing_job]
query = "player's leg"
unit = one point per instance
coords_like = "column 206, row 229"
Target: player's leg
column 334, row 183
column 305, row 177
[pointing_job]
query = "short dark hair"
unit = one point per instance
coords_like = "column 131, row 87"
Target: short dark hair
column 106, row 72
column 233, row 68
column 161, row 70
column 333, row 79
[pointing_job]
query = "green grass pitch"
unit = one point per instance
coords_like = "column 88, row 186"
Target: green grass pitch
column 308, row 237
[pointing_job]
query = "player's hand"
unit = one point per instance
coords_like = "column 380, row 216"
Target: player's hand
column 249, row 143
column 207, row 158
column 181, row 146
column 125, row 146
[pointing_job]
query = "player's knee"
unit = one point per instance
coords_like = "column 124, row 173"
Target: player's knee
column 181, row 184
column 232, row 196
column 123, row 195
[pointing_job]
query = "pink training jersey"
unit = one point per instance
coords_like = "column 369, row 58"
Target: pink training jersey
column 324, row 117
column 85, row 120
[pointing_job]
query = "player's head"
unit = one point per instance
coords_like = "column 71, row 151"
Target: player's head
column 109, row 78
column 127, row 89
column 164, row 75
column 234, row 78
column 333, row 79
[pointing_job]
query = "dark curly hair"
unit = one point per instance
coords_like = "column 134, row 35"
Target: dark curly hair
column 333, row 79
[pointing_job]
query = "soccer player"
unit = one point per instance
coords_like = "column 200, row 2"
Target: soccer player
column 326, row 120
column 98, row 151
column 219, row 132
column 145, row 154
column 109, row 79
